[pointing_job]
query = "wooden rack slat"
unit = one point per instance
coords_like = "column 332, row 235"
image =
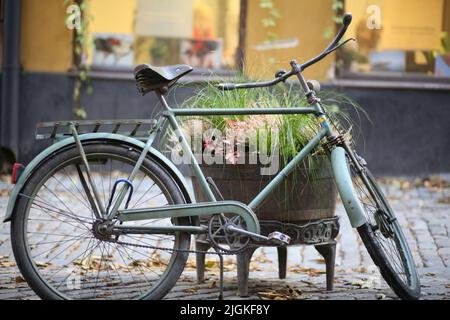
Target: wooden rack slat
column 60, row 129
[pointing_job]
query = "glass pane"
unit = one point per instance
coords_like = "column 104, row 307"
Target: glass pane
column 396, row 38
column 202, row 33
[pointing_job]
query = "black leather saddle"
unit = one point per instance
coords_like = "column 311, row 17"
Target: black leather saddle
column 149, row 78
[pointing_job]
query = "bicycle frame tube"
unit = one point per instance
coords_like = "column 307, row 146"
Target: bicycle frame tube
column 243, row 112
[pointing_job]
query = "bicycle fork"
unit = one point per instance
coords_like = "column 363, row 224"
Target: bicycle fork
column 339, row 150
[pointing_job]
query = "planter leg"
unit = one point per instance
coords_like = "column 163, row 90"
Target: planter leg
column 328, row 251
column 201, row 245
column 282, row 262
column 243, row 270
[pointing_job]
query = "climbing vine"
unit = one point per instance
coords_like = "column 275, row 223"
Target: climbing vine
column 270, row 21
column 78, row 20
column 338, row 13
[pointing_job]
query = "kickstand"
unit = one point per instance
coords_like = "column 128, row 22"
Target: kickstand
column 221, row 274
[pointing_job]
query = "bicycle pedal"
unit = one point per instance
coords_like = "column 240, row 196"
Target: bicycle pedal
column 280, row 237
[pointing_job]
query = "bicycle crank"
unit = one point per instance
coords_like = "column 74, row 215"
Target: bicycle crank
column 229, row 235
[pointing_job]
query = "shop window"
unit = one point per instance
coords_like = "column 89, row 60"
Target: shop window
column 201, row 33
column 398, row 38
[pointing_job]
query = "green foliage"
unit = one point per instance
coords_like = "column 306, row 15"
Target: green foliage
column 337, row 18
column 294, row 131
column 81, row 46
column 271, row 19
column 159, row 50
column 445, row 47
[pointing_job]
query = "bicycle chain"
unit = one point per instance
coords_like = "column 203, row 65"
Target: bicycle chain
column 223, row 253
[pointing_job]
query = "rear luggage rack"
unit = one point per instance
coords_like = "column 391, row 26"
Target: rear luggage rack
column 139, row 129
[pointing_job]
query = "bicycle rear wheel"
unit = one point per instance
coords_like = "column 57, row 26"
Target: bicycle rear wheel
column 58, row 249
column 383, row 237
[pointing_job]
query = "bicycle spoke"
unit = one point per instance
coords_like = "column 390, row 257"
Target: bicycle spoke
column 63, row 232
column 379, row 216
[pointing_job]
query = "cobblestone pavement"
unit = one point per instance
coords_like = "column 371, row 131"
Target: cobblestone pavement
column 422, row 207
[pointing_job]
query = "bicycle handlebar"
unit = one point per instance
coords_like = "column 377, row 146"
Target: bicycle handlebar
column 347, row 20
column 333, row 45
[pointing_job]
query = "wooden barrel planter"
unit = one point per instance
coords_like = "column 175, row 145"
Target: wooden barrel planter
column 302, row 207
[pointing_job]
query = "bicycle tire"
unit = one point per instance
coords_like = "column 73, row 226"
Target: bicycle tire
column 18, row 225
column 407, row 288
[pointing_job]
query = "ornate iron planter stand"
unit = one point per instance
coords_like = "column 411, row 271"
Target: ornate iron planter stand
column 304, row 212
column 320, row 233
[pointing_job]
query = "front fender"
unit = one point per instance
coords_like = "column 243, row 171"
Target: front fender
column 36, row 162
column 344, row 184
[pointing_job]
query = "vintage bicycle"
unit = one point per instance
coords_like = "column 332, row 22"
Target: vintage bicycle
column 104, row 215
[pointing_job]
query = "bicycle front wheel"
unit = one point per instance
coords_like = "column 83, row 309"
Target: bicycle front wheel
column 383, row 237
column 61, row 253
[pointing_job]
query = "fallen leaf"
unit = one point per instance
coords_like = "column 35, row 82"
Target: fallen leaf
column 319, row 261
column 364, row 284
column 191, row 290
column 285, row 293
column 262, row 258
column 255, row 267
column 405, row 185
column 7, row 264
column 42, row 264
column 210, row 264
column 187, row 279
column 228, row 265
column 119, row 266
column 113, row 283
column 20, row 279
column 191, row 265
column 272, row 296
column 309, row 271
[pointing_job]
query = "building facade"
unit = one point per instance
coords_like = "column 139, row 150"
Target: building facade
column 398, row 70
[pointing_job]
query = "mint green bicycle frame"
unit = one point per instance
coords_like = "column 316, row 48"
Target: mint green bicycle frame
column 246, row 211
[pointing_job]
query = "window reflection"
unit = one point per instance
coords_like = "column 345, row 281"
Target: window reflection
column 410, row 38
column 202, row 33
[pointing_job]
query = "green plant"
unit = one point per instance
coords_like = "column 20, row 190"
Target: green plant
column 81, row 45
column 294, row 131
column 338, row 12
column 159, row 50
column 270, row 21
column 445, row 44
